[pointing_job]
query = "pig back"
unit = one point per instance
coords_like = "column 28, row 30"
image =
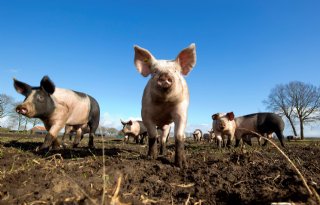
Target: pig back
column 75, row 104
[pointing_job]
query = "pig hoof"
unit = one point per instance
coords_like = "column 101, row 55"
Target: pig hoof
column 150, row 157
column 90, row 146
column 181, row 164
column 64, row 145
column 42, row 150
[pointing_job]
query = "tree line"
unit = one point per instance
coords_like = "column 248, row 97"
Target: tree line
column 296, row 101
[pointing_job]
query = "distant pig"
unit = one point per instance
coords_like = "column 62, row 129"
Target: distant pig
column 211, row 136
column 80, row 130
column 197, row 135
column 166, row 97
column 57, row 108
column 261, row 123
column 135, row 129
column 223, row 126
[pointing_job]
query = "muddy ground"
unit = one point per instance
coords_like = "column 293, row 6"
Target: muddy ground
column 254, row 175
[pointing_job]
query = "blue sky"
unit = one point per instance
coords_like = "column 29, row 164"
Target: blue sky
column 244, row 49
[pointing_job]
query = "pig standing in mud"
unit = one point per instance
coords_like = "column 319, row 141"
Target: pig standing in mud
column 165, row 98
column 58, row 107
column 223, row 126
column 261, row 123
column 135, row 129
column 197, row 135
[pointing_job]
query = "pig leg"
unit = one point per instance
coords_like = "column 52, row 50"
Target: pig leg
column 152, row 132
column 91, row 136
column 163, row 139
column 126, row 139
column 280, row 137
column 237, row 142
column 51, row 137
column 219, row 141
column 229, row 141
column 77, row 138
column 67, row 131
column 180, row 157
column 137, row 139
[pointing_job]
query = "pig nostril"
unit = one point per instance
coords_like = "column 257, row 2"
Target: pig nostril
column 21, row 110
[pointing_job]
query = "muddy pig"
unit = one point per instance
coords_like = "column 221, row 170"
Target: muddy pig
column 165, row 97
column 135, row 129
column 197, row 135
column 224, row 126
column 58, row 107
column 261, row 123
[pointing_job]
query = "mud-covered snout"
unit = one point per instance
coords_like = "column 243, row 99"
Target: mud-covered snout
column 165, row 80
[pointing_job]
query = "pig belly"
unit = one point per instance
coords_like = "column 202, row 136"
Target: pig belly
column 80, row 113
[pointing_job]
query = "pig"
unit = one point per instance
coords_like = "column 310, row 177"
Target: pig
column 165, row 98
column 224, row 126
column 197, row 135
column 57, row 108
column 261, row 123
column 135, row 129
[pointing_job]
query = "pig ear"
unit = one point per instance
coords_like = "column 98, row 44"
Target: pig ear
column 187, row 59
column 130, row 122
column 123, row 123
column 22, row 88
column 143, row 60
column 215, row 116
column 47, row 85
column 230, row 115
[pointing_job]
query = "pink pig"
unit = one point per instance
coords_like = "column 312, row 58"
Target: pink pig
column 165, row 98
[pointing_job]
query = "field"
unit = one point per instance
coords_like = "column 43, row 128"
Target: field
column 254, row 175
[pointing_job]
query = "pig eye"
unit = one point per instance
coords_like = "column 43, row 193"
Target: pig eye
column 40, row 98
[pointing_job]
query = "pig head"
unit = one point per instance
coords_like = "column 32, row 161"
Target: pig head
column 165, row 97
column 58, row 107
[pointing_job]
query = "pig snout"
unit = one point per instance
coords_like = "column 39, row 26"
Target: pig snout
column 222, row 125
column 22, row 109
column 165, row 81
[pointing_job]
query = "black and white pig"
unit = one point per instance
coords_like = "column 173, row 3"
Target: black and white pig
column 58, row 107
column 165, row 98
column 261, row 123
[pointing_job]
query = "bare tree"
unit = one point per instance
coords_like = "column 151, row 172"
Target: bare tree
column 6, row 103
column 306, row 101
column 279, row 102
column 112, row 131
column 35, row 121
column 296, row 100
